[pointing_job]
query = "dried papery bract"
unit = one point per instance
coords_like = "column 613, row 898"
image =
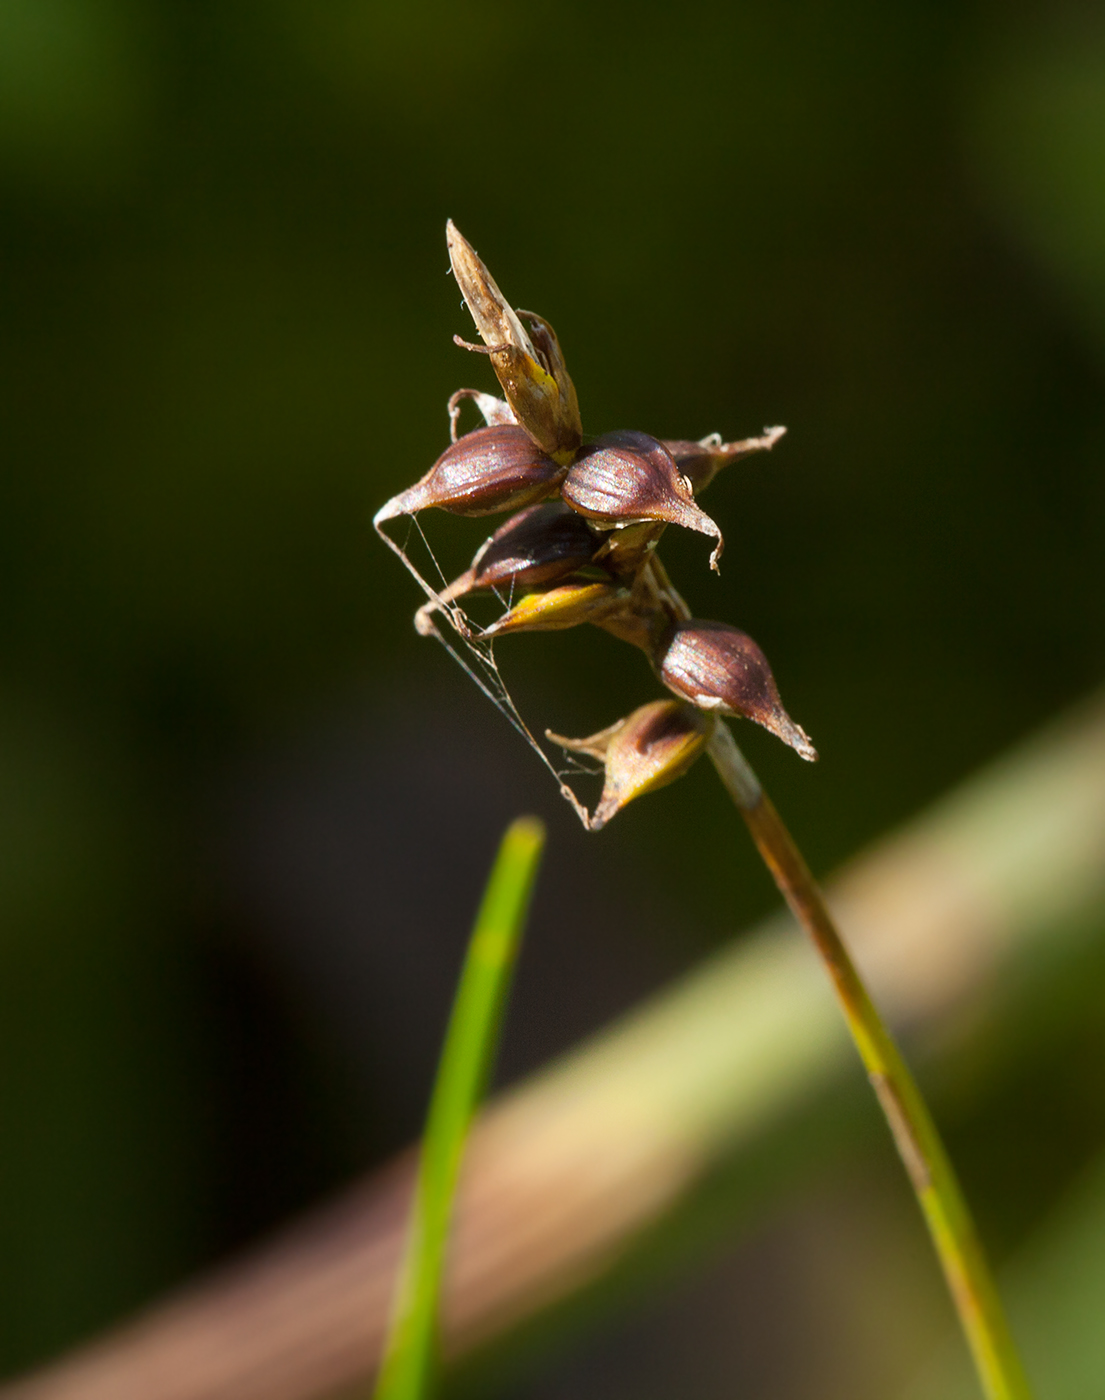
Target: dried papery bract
column 493, row 410
column 627, row 548
column 551, row 357
column 640, row 623
column 486, row 471
column 650, row 615
column 564, row 605
column 720, row 668
column 533, row 375
column 654, row 746
column 626, row 478
column 701, row 461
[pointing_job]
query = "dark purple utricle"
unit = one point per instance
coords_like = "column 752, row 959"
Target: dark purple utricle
column 488, row 470
column 538, row 545
column 626, row 476
column 718, row 667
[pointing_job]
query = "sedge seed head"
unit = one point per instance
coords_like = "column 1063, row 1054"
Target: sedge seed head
column 580, row 547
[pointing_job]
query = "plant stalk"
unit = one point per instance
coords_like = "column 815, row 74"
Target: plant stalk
column 927, row 1164
column 410, row 1363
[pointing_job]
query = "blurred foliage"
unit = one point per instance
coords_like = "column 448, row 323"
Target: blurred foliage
column 225, row 339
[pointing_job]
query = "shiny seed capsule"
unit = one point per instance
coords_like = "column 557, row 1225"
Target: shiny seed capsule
column 654, row 746
column 488, row 470
column 538, row 545
column 530, row 367
column 719, row 668
column 627, row 478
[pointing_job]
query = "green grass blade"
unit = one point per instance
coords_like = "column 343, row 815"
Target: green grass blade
column 410, row 1357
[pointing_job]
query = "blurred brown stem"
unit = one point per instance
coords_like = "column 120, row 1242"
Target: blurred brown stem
column 927, row 1164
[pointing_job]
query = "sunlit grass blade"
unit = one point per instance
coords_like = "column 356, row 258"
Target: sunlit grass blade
column 410, row 1357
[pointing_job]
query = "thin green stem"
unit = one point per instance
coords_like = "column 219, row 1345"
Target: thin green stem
column 926, row 1161
column 410, row 1360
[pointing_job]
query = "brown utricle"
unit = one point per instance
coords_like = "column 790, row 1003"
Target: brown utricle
column 720, row 668
column 626, row 477
column 539, row 544
column 488, row 470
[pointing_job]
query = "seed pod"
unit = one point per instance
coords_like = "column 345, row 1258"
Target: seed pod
column 719, row 668
column 538, row 545
column 488, row 470
column 701, row 461
column 626, row 478
column 531, row 370
column 560, row 607
column 650, row 749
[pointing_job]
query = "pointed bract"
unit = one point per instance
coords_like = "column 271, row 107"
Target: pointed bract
column 720, row 668
column 564, row 605
column 494, row 410
column 701, row 461
column 530, row 369
column 551, row 358
column 594, row 746
column 654, row 746
column 627, row 547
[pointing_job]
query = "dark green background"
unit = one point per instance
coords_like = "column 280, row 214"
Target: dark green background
column 245, row 810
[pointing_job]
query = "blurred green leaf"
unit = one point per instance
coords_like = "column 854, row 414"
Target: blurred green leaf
column 410, row 1360
column 74, row 89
